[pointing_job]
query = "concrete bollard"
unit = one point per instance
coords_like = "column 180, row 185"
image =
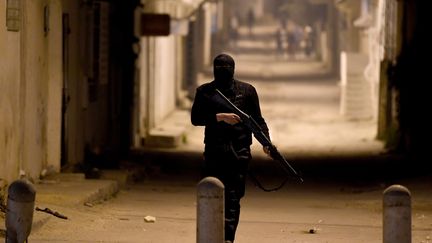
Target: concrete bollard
column 19, row 212
column 397, row 215
column 210, row 211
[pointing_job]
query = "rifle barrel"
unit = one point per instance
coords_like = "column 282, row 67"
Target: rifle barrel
column 259, row 135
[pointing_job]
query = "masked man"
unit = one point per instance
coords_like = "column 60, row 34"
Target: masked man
column 227, row 141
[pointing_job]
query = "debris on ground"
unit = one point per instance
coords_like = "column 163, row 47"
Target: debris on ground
column 313, row 230
column 49, row 211
column 87, row 204
column 149, row 219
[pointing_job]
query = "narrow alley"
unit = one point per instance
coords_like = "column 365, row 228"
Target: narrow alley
column 302, row 108
column 95, row 117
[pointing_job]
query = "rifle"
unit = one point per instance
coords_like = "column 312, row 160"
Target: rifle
column 258, row 133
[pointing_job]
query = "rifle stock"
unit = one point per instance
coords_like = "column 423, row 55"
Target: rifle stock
column 258, row 134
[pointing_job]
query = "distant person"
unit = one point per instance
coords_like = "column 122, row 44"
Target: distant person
column 234, row 24
column 251, row 21
column 308, row 41
column 292, row 45
column 227, row 140
column 292, row 39
column 280, row 39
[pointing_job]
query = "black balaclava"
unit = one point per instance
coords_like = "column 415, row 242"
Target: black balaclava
column 223, row 70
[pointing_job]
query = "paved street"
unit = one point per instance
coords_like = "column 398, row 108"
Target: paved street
column 340, row 212
column 345, row 169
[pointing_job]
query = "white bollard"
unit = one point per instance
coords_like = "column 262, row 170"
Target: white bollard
column 210, row 211
column 397, row 215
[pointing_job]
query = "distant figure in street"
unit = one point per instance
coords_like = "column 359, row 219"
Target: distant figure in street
column 308, row 41
column 251, row 21
column 292, row 39
column 234, row 24
column 292, row 45
column 280, row 39
column 227, row 140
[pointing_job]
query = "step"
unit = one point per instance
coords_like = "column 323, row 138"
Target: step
column 171, row 132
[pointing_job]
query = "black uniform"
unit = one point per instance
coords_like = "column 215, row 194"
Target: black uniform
column 227, row 147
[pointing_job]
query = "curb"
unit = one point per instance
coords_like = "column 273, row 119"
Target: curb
column 70, row 190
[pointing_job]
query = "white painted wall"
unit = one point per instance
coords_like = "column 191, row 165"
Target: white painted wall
column 42, row 75
column 165, row 78
column 10, row 102
column 30, row 82
column 34, row 77
column 208, row 9
column 55, row 85
column 159, row 73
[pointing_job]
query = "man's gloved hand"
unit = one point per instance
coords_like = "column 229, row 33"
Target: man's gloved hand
column 266, row 150
column 229, row 118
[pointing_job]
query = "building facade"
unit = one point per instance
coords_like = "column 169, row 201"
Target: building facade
column 77, row 80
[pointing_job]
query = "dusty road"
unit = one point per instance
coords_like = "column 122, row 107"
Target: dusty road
column 340, row 212
column 345, row 175
column 341, row 198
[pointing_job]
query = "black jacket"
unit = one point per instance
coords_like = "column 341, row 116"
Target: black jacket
column 204, row 110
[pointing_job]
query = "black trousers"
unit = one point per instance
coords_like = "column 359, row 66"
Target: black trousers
column 229, row 165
